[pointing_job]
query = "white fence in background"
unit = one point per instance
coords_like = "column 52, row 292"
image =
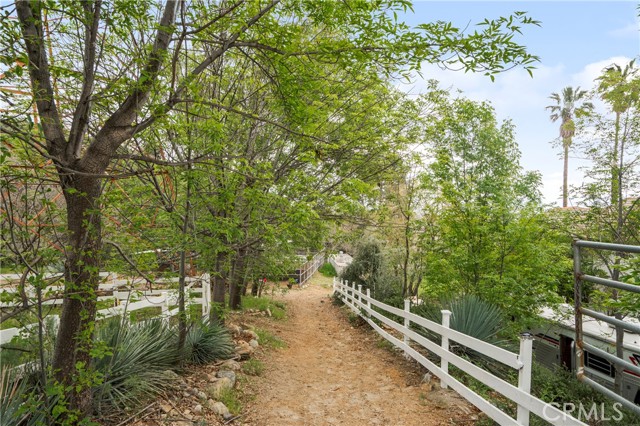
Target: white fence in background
column 127, row 301
column 363, row 304
column 309, row 268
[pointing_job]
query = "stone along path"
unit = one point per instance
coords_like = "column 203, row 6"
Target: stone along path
column 333, row 374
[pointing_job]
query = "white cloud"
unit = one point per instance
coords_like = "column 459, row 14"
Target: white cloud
column 630, row 30
column 523, row 99
column 585, row 78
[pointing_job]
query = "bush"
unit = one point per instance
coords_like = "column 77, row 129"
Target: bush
column 134, row 370
column 328, row 270
column 207, row 341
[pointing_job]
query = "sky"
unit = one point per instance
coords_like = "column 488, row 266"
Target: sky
column 575, row 41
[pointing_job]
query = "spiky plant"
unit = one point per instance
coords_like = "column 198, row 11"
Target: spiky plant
column 137, row 366
column 207, row 340
column 20, row 404
column 470, row 315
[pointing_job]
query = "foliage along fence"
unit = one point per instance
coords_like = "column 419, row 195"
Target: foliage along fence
column 372, row 310
column 197, row 289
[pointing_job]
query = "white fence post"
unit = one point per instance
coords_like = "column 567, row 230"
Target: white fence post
column 205, row 298
column 407, row 323
column 444, row 364
column 524, row 375
column 359, row 294
column 368, row 296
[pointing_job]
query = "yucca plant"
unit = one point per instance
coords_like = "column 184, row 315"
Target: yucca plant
column 11, row 399
column 207, row 340
column 20, row 403
column 470, row 315
column 136, row 367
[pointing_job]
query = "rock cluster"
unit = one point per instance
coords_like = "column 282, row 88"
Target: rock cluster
column 197, row 396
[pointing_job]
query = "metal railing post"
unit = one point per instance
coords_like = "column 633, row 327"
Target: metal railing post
column 444, row 364
column 524, row 375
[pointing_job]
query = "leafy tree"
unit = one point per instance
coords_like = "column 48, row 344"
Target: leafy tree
column 112, row 71
column 567, row 104
column 487, row 234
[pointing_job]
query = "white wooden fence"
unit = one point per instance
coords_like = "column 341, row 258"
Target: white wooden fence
column 363, row 304
column 127, row 301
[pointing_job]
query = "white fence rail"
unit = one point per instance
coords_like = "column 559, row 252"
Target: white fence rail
column 363, row 304
column 127, row 301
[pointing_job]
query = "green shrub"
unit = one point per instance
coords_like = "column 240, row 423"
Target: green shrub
column 207, row 341
column 328, row 270
column 136, row 367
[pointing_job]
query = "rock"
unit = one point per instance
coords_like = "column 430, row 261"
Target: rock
column 175, row 378
column 250, row 334
column 231, row 365
column 186, row 394
column 254, row 343
column 244, row 350
column 210, row 403
column 229, row 375
column 211, row 378
column 220, row 409
column 201, row 395
column 166, row 408
column 197, row 409
column 216, row 389
column 268, row 312
column 234, row 329
column 227, row 416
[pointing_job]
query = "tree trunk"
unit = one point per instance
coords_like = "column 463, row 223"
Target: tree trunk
column 75, row 334
column 565, row 173
column 237, row 278
column 615, row 183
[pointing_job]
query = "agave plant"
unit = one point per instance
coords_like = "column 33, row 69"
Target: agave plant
column 138, row 365
column 470, row 315
column 206, row 341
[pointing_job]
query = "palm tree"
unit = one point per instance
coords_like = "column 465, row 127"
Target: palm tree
column 565, row 107
column 619, row 88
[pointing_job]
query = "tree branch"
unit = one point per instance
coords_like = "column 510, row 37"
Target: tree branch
column 83, row 109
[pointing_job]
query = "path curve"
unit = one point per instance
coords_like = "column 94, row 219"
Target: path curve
column 334, row 374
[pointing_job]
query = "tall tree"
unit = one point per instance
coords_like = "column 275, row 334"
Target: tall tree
column 569, row 103
column 111, row 71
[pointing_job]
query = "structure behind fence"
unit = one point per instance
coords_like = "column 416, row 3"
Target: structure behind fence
column 622, row 366
column 373, row 311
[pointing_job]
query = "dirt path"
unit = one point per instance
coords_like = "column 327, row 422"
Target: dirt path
column 333, row 374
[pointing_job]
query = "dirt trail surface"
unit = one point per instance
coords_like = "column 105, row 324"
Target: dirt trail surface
column 331, row 373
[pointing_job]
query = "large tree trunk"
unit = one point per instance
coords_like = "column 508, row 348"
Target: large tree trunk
column 82, row 266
